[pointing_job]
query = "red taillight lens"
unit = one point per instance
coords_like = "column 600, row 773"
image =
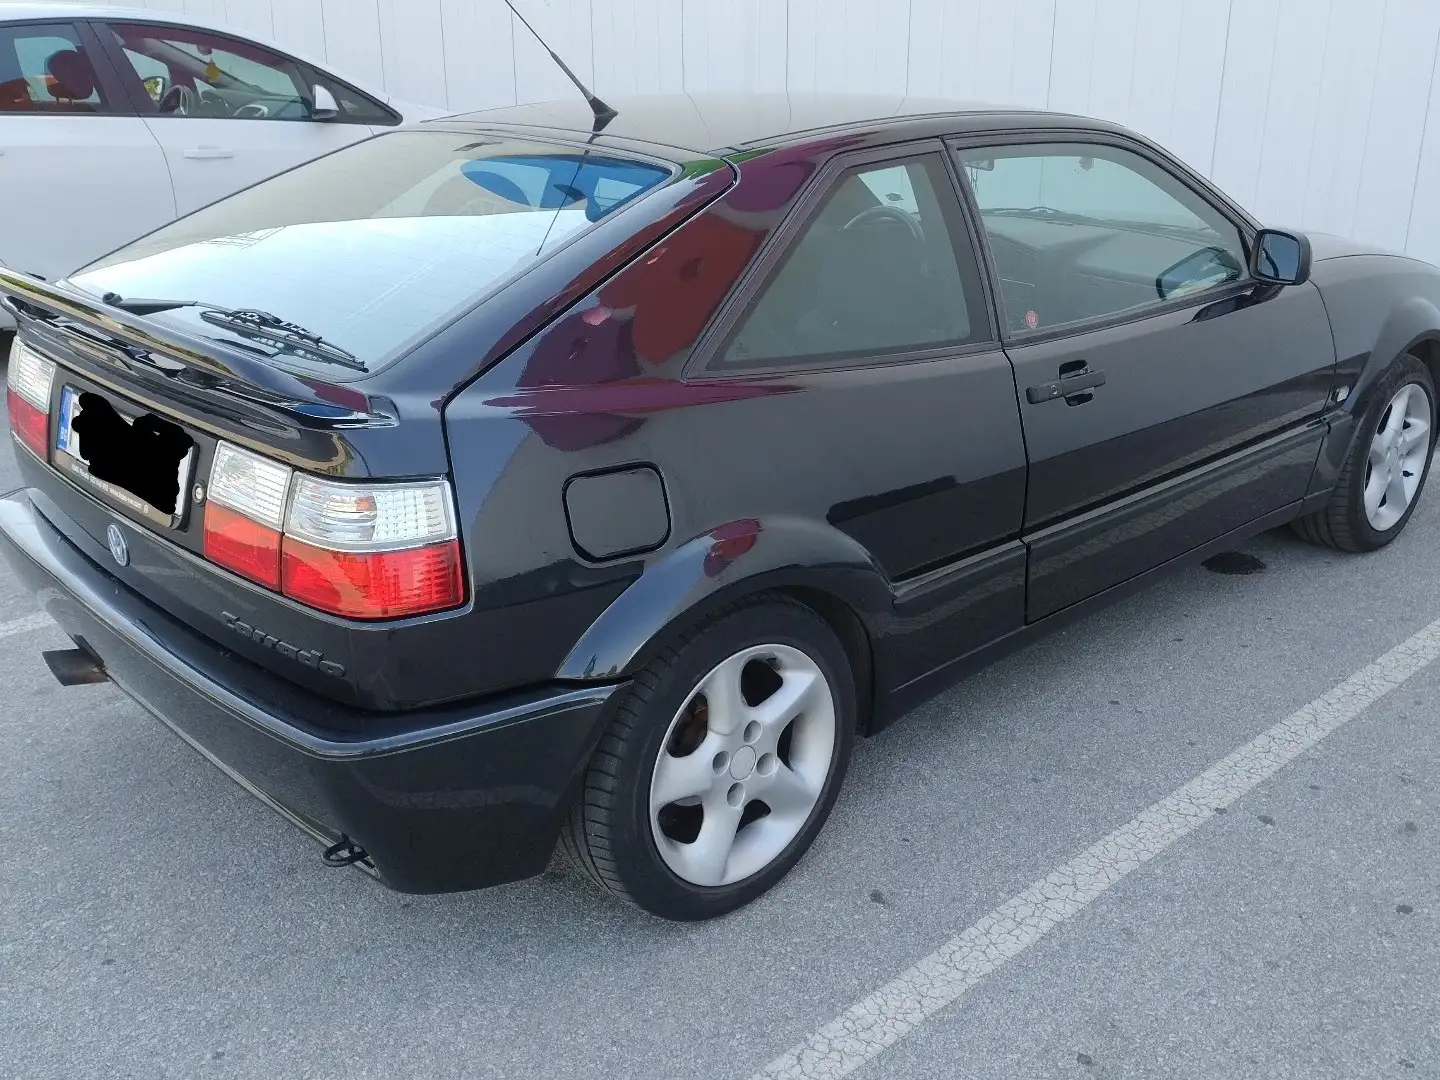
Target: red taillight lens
column 376, row 584
column 28, row 381
column 235, row 542
column 29, row 424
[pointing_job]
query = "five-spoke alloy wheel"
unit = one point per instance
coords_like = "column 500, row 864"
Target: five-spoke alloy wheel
column 720, row 764
column 743, row 765
column 1381, row 479
column 1398, row 455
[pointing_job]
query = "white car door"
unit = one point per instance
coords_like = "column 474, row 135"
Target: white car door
column 227, row 112
column 78, row 177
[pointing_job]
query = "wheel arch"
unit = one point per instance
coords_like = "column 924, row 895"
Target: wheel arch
column 1412, row 326
column 815, row 565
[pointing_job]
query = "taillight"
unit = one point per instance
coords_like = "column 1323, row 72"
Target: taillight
column 27, row 397
column 245, row 513
column 372, row 550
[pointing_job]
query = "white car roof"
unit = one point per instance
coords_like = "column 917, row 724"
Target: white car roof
column 55, row 9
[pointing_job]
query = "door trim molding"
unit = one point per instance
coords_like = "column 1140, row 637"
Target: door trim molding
column 1178, row 486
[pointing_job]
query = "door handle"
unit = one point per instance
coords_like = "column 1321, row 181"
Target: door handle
column 208, row 153
column 1065, row 387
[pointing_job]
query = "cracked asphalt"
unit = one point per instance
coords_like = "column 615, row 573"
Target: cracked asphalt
column 157, row 922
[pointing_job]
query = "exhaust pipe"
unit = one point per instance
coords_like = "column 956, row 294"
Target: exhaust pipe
column 74, row 667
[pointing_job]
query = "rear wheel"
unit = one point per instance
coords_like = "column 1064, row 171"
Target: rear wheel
column 1382, row 479
column 720, row 764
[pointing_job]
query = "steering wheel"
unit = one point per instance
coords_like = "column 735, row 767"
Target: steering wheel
column 179, row 100
column 886, row 213
column 213, row 103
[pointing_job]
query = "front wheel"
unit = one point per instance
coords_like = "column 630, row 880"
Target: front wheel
column 720, row 764
column 1382, row 479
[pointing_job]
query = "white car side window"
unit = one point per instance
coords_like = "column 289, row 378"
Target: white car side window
column 196, row 73
column 45, row 69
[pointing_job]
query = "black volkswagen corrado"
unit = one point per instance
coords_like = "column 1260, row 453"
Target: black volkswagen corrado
column 503, row 483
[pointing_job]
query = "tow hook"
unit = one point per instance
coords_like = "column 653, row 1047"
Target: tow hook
column 345, row 853
column 74, row 667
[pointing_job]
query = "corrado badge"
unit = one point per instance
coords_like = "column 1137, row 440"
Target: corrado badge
column 311, row 658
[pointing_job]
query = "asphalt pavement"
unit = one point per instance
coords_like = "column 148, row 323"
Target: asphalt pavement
column 155, row 921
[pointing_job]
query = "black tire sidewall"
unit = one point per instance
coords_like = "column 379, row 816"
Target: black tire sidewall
column 646, row 877
column 1407, row 370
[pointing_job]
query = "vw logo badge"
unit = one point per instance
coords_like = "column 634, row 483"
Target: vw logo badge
column 119, row 550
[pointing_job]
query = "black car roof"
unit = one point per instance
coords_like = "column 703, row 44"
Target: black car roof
column 728, row 123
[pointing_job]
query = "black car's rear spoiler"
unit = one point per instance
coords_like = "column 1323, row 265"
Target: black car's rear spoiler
column 141, row 344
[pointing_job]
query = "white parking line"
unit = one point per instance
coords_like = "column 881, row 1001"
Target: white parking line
column 38, row 621
column 866, row 1028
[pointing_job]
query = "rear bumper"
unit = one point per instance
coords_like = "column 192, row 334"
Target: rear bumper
column 442, row 800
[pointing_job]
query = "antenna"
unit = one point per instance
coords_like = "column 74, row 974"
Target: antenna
column 603, row 113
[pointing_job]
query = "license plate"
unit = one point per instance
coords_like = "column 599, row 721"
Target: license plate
column 142, row 462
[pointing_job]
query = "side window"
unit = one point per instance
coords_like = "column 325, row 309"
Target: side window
column 355, row 107
column 196, row 73
column 873, row 272
column 1082, row 232
column 45, row 69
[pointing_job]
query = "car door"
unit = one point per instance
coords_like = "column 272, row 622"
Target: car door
column 1166, row 398
column 80, row 174
column 875, row 385
column 227, row 112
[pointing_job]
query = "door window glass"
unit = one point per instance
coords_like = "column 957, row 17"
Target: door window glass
column 195, row 73
column 874, row 272
column 46, row 69
column 1083, row 232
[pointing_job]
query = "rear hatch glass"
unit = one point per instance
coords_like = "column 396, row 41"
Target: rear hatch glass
column 348, row 260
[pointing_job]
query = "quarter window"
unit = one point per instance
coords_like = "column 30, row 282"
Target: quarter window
column 45, row 69
column 1081, row 232
column 355, row 107
column 873, row 273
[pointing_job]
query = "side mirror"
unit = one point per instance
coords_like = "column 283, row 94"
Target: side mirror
column 1280, row 258
column 156, row 87
column 323, row 104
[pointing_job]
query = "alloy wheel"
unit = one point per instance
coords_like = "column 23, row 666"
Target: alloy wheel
column 743, row 765
column 1396, row 462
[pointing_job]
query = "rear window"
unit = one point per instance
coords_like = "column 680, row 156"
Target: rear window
column 376, row 245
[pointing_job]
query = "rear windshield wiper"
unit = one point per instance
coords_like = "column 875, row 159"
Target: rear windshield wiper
column 271, row 329
column 139, row 306
column 257, row 325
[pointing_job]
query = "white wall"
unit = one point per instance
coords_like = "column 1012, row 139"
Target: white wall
column 1310, row 112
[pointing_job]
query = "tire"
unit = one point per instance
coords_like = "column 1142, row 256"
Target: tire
column 1346, row 523
column 664, row 728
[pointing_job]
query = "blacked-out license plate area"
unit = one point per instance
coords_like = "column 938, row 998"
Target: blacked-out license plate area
column 144, row 462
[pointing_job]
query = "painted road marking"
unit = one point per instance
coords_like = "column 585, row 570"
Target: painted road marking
column 864, row 1030
column 38, row 621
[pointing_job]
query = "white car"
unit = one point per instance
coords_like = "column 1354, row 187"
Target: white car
column 114, row 121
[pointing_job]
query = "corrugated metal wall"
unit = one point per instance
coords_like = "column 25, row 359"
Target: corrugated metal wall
column 1310, row 112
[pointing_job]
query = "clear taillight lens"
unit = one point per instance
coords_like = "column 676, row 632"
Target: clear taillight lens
column 351, row 517
column 366, row 551
column 372, row 551
column 28, row 383
column 249, row 484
